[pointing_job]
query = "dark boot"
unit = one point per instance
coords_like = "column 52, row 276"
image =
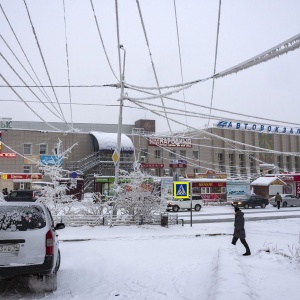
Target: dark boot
column 248, row 252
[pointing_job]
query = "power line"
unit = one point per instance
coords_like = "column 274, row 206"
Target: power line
column 179, row 53
column 152, row 63
column 46, row 95
column 101, row 39
column 44, row 62
column 215, row 63
column 25, row 84
column 68, row 68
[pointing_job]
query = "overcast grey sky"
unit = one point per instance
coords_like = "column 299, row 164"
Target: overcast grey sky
column 270, row 90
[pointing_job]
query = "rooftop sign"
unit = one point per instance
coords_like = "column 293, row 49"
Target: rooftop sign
column 263, row 128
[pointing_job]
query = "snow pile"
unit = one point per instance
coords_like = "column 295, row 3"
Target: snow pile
column 230, row 280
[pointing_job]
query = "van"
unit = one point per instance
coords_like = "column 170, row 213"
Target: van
column 177, row 204
column 23, row 195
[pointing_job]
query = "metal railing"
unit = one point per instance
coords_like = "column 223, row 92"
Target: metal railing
column 108, row 220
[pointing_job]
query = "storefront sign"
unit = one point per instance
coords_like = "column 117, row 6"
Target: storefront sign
column 258, row 127
column 152, row 166
column 177, row 163
column 5, row 123
column 8, row 155
column 170, row 142
column 21, row 176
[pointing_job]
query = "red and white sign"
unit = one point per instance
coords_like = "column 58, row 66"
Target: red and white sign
column 170, row 142
column 22, row 176
column 152, row 166
column 177, row 163
column 8, row 155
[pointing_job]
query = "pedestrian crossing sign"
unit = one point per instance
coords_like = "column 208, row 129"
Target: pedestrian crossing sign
column 181, row 190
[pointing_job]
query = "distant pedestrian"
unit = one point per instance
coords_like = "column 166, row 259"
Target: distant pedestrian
column 278, row 199
column 239, row 230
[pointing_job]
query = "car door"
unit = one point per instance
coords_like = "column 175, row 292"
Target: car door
column 294, row 200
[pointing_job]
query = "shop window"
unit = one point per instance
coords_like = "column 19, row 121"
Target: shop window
column 27, row 149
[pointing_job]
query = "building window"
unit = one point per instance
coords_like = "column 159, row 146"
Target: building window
column 221, row 162
column 231, row 163
column 43, row 149
column 297, row 163
column 157, row 154
column 27, row 150
column 279, row 162
column 288, row 163
column 144, row 152
column 26, row 169
column 182, row 154
column 252, row 163
column 242, row 163
column 196, row 170
column 172, row 154
column 195, row 154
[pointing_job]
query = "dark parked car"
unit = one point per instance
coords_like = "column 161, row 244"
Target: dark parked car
column 252, row 201
column 22, row 195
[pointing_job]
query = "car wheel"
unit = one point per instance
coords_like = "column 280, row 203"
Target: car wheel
column 57, row 265
column 284, row 204
column 50, row 282
column 246, row 206
column 263, row 205
column 175, row 208
column 197, row 207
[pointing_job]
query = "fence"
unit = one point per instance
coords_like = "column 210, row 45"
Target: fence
column 108, row 220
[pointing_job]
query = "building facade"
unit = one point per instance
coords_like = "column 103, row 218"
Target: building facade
column 240, row 153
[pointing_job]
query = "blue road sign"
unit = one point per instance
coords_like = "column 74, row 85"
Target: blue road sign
column 181, row 189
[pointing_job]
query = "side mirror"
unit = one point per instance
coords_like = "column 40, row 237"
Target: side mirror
column 59, row 226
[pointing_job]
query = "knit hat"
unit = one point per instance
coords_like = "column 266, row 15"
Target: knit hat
column 236, row 209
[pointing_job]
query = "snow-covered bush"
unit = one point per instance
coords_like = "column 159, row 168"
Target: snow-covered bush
column 295, row 251
column 137, row 195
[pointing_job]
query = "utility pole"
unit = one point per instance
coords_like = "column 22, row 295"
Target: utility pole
column 117, row 166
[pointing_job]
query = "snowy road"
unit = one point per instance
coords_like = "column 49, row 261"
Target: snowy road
column 178, row 263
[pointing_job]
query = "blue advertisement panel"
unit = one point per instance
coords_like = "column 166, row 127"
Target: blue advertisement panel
column 51, row 160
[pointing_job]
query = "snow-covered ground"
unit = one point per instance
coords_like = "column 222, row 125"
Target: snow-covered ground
column 178, row 262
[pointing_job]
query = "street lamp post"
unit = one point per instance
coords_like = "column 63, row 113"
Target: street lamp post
column 117, row 167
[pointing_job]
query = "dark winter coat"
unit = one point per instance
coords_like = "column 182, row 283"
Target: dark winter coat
column 239, row 223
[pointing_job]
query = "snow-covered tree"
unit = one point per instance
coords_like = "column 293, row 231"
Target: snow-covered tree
column 137, row 195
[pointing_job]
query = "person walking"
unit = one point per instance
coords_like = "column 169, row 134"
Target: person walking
column 278, row 199
column 239, row 230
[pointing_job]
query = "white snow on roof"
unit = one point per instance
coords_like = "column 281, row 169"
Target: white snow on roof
column 265, row 181
column 108, row 141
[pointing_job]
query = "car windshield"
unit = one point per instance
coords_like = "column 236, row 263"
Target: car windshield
column 21, row 218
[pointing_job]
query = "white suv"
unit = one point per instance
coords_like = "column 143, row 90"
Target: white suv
column 177, row 204
column 29, row 242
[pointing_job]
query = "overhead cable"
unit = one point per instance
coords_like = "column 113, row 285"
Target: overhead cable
column 58, row 116
column 68, row 67
column 152, row 63
column 215, row 63
column 179, row 53
column 15, row 35
column 38, row 115
column 100, row 36
column 42, row 56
